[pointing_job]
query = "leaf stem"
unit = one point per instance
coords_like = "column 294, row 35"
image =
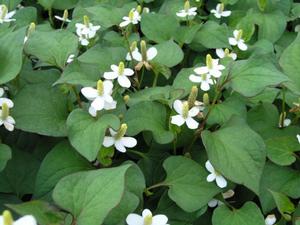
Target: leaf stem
column 142, row 155
column 77, row 96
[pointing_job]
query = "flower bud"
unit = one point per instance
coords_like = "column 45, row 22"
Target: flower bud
column 221, row 7
column 187, row 5
column 139, row 9
column 86, row 21
column 100, row 87
column 209, row 61
column 122, row 131
column 126, row 99
column 262, row 4
column 7, row 218
column 206, row 99
column 144, row 50
column 5, row 111
column 121, row 68
column 66, row 14
column 193, row 96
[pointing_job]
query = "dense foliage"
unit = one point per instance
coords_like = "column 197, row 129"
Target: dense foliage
column 150, row 112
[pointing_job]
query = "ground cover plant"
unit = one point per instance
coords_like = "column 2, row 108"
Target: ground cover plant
column 149, row 112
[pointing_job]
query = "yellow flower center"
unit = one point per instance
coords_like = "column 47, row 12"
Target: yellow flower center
column 5, row 111
column 185, row 110
column 221, row 7
column 66, row 14
column 227, row 52
column 122, row 131
column 100, row 87
column 121, row 68
column 4, row 11
column 86, row 21
column 144, row 50
column 187, row 6
column 240, row 34
column 7, row 218
column 148, row 220
column 131, row 15
column 209, row 61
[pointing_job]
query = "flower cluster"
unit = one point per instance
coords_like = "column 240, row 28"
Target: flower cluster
column 5, row 118
column 86, row 31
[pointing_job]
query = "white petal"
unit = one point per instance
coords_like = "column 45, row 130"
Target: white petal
column 211, row 177
column 195, row 79
column 10, row 120
column 1, row 92
column 124, row 23
column 8, row 126
column 228, row 194
column 217, row 15
column 137, row 56
column 159, row 220
column 98, row 103
column 215, row 73
column 7, row 101
column 226, row 13
column 110, row 105
column 128, row 57
column 191, row 123
column 129, row 142
column 298, row 137
column 134, row 219
column 115, row 68
column 92, row 111
column 209, row 167
column 286, row 122
column 270, row 220
column 213, row 203
column 232, row 41
column 221, row 182
column 205, row 86
column 220, row 53
column 124, row 81
column 177, row 120
column 201, row 70
column 181, row 13
column 84, row 42
column 108, row 141
column 89, row 92
column 119, row 146
column 128, row 72
column 242, row 46
column 177, row 105
column 112, row 132
column 26, row 220
column 107, row 87
column 151, row 53
column 235, row 33
column 146, row 212
column 110, row 75
column 194, row 111
column 233, row 56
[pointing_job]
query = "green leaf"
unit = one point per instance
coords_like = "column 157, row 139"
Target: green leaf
column 90, row 196
column 61, row 161
column 5, row 155
column 86, row 133
column 149, row 116
column 57, row 4
column 246, row 158
column 182, row 80
column 212, row 35
column 250, row 77
column 52, row 47
column 187, row 183
column 279, row 179
column 289, row 61
column 281, row 150
column 44, row 213
column 249, row 214
column 159, row 27
column 284, row 204
column 168, row 54
column 185, row 35
column 11, row 54
column 41, row 109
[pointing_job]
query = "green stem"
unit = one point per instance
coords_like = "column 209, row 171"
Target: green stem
column 62, row 25
column 283, row 106
column 155, row 80
column 142, row 78
column 50, row 14
column 77, row 96
column 155, row 186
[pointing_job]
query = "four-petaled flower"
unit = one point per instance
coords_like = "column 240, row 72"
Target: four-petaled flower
column 225, row 53
column 146, row 219
column 188, row 12
column 86, row 31
column 204, row 79
column 5, row 118
column 212, row 67
column 101, row 97
column 185, row 115
column 144, row 56
column 215, row 175
column 6, row 16
column 237, row 40
column 133, row 17
column 6, row 219
column 270, row 219
column 118, row 140
column 121, row 74
column 219, row 11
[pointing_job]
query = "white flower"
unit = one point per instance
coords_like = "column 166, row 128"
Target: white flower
column 146, row 219
column 6, row 16
column 133, row 49
column 237, row 40
column 118, row 140
column 215, row 175
column 134, row 17
column 6, row 219
column 219, row 11
column 86, row 31
column 286, row 123
column 185, row 114
column 101, row 97
column 298, row 137
column 270, row 220
column 187, row 12
column 144, row 56
column 215, row 202
column 64, row 18
column 212, row 67
column 225, row 53
column 1, row 92
column 121, row 74
column 70, row 58
column 204, row 79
